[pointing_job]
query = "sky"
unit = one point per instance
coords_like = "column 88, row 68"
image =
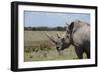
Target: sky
column 52, row 19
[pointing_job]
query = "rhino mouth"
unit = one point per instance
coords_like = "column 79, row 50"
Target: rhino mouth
column 59, row 50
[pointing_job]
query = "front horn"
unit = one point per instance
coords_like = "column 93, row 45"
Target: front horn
column 50, row 37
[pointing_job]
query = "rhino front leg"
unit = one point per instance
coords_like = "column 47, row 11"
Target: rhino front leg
column 79, row 52
column 88, row 54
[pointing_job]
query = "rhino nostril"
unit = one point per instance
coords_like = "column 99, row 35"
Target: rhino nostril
column 57, row 47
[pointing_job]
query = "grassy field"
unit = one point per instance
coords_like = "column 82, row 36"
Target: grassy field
column 37, row 47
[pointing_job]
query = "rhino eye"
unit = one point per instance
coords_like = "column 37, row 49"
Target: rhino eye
column 63, row 40
column 68, row 31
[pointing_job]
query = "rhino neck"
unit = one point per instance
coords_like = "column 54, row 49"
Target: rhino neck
column 71, row 39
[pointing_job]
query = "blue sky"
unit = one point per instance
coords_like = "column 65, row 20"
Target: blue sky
column 52, row 19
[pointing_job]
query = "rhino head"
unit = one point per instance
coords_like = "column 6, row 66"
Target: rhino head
column 61, row 41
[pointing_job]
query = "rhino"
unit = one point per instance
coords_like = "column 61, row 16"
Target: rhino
column 77, row 34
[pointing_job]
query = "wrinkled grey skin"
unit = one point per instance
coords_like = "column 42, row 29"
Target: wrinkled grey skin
column 78, row 35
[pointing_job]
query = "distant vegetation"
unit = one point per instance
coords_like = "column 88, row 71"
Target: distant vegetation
column 59, row 28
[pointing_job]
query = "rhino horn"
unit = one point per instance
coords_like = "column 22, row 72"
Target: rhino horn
column 50, row 37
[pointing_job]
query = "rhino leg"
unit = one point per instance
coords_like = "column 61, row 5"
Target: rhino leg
column 88, row 54
column 79, row 52
column 87, row 51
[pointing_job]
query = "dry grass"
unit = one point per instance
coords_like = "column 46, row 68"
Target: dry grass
column 37, row 47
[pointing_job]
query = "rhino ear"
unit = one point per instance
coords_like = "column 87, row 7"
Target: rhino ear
column 71, row 26
column 66, row 24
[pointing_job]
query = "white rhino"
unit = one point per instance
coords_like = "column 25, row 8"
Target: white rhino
column 76, row 34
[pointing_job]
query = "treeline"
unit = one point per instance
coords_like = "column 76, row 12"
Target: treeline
column 45, row 28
